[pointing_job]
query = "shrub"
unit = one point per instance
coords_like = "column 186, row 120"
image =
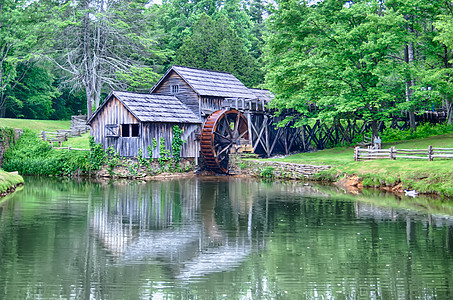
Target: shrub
column 32, row 156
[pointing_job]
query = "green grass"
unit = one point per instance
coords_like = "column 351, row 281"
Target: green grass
column 35, row 125
column 425, row 176
column 8, row 180
column 80, row 142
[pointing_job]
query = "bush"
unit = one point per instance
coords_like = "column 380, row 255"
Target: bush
column 32, row 156
column 425, row 130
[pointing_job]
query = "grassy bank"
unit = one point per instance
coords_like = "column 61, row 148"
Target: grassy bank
column 8, row 180
column 425, row 176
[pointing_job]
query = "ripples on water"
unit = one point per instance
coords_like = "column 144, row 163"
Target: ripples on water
column 217, row 238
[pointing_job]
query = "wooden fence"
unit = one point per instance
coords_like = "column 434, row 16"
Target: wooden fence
column 70, row 148
column 392, row 153
column 52, row 137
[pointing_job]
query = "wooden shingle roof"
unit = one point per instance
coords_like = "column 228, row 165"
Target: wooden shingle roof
column 153, row 108
column 211, row 83
column 265, row 95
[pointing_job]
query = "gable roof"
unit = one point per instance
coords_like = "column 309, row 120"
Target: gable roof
column 153, row 108
column 210, row 83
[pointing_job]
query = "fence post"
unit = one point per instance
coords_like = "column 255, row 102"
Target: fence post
column 430, row 153
column 356, row 153
column 43, row 135
column 392, row 152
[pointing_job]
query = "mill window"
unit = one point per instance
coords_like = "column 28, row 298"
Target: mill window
column 130, row 130
column 175, row 89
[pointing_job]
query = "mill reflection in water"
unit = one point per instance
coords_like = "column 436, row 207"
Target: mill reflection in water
column 176, row 222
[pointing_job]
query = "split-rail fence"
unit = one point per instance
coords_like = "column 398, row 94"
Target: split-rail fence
column 393, row 153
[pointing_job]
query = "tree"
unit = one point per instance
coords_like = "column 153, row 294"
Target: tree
column 32, row 96
column 444, row 74
column 101, row 43
column 335, row 56
column 17, row 39
column 214, row 45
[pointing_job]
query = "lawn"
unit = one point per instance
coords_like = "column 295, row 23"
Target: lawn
column 426, row 176
column 48, row 125
column 35, row 125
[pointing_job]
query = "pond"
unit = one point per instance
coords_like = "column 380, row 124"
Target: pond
column 220, row 238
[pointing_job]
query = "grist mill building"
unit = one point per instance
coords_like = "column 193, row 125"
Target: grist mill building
column 215, row 110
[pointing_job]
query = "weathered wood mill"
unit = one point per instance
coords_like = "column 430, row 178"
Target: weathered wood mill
column 217, row 113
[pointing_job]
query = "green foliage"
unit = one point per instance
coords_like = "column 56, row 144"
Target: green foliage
column 32, row 156
column 164, row 154
column 267, row 172
column 154, row 143
column 7, row 135
column 8, row 180
column 32, row 97
column 335, row 56
column 215, row 45
column 176, row 143
column 97, row 155
column 113, row 160
column 141, row 160
column 423, row 131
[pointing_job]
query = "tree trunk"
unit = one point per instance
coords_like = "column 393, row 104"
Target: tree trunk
column 409, row 57
column 374, row 129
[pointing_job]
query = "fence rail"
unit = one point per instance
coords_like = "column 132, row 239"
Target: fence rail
column 392, row 153
column 70, row 148
column 52, row 137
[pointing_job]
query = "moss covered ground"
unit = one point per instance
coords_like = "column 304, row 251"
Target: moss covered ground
column 8, row 180
column 424, row 176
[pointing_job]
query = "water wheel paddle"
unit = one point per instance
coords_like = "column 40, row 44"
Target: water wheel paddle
column 223, row 130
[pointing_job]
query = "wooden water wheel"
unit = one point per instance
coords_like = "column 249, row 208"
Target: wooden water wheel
column 223, row 130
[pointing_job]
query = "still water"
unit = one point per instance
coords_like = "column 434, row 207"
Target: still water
column 217, row 238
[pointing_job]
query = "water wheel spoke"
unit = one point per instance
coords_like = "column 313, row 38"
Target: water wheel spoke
column 236, row 124
column 222, row 158
column 223, row 150
column 225, row 120
column 222, row 136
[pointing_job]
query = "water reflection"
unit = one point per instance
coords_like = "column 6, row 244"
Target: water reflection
column 211, row 238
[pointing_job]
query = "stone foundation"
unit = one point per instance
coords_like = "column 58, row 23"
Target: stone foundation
column 272, row 169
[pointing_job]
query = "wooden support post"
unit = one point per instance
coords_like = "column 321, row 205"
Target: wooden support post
column 249, row 125
column 266, row 135
column 430, row 153
column 43, row 135
column 356, row 153
column 303, row 138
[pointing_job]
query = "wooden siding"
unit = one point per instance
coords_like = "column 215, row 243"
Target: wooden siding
column 211, row 104
column 165, row 130
column 114, row 112
column 186, row 94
